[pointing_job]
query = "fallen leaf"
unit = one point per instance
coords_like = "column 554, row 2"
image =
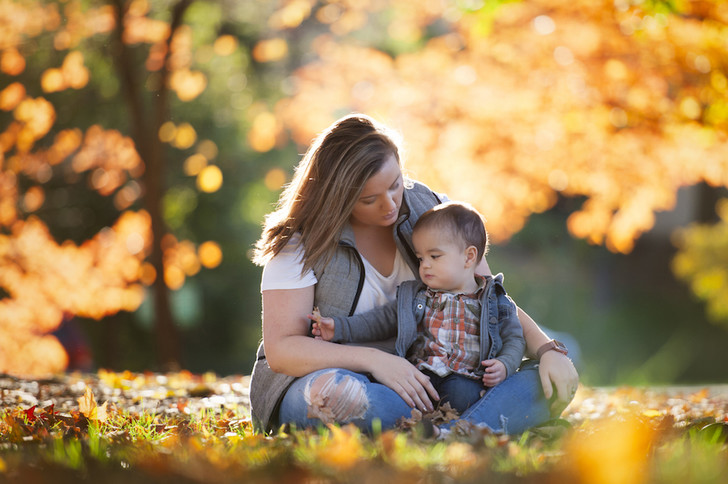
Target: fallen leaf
column 30, row 413
column 316, row 313
column 698, row 397
column 88, row 407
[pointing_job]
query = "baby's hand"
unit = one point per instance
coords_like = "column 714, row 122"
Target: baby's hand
column 322, row 328
column 495, row 372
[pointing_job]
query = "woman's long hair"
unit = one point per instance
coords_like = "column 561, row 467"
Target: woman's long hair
column 327, row 183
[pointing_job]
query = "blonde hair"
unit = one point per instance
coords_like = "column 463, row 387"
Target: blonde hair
column 326, row 184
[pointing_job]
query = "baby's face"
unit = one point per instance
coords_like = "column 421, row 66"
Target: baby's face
column 443, row 260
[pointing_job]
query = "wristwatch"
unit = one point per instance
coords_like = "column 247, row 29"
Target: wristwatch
column 552, row 345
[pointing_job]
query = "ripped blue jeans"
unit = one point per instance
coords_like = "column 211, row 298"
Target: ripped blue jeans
column 343, row 396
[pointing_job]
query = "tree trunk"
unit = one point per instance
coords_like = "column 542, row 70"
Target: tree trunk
column 145, row 128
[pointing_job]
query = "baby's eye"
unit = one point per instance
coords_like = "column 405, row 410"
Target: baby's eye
column 419, row 259
column 435, row 256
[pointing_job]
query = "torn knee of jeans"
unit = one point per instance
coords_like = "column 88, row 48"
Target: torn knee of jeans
column 336, row 400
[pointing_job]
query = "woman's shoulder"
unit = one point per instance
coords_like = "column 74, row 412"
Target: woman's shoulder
column 419, row 198
column 414, row 188
column 285, row 269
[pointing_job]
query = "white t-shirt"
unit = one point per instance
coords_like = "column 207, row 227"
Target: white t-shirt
column 284, row 272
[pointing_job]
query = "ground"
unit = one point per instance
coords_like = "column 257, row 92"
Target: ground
column 180, row 427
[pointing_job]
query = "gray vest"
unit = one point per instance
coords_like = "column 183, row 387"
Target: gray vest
column 336, row 294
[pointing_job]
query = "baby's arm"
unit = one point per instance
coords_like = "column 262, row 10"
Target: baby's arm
column 511, row 353
column 378, row 324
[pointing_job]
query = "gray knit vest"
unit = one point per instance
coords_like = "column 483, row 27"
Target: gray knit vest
column 336, row 294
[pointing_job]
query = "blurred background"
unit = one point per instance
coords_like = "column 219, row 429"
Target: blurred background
column 142, row 143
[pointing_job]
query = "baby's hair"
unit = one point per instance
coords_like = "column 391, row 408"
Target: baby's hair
column 461, row 220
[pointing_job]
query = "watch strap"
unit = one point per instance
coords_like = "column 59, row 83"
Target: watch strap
column 552, row 345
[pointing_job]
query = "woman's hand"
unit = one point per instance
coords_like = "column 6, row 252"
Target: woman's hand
column 404, row 378
column 557, row 370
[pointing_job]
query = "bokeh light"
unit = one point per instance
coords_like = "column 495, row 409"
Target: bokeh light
column 11, row 96
column 270, row 50
column 184, row 136
column 209, row 179
column 210, row 254
column 194, row 164
column 225, row 45
column 274, row 179
column 12, row 62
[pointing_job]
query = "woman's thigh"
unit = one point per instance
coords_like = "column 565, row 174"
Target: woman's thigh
column 514, row 405
column 341, row 396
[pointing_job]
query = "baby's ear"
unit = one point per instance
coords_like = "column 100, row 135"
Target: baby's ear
column 471, row 256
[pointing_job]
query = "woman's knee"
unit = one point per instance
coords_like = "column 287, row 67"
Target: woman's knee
column 332, row 396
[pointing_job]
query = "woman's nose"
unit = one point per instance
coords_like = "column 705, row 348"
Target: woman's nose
column 389, row 204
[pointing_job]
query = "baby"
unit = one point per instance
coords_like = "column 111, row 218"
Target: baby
column 456, row 326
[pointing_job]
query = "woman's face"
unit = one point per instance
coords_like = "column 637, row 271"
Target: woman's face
column 381, row 196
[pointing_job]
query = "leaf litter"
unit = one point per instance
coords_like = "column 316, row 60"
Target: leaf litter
column 181, row 427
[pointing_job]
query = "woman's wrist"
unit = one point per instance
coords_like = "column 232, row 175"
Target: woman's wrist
column 552, row 345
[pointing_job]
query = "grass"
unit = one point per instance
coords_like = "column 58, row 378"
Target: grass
column 626, row 435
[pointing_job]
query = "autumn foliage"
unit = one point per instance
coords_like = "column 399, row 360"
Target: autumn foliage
column 512, row 106
column 611, row 101
column 44, row 281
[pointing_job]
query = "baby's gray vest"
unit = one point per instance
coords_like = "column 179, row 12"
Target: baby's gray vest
column 336, row 294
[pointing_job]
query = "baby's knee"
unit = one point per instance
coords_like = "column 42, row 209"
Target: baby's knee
column 331, row 398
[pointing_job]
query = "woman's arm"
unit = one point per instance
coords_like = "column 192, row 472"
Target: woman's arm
column 555, row 369
column 291, row 351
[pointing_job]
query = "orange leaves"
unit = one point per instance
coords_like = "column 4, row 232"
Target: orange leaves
column 28, row 354
column 264, row 132
column 11, row 96
column 109, row 155
column 35, row 118
column 291, row 14
column 72, row 73
column 44, row 279
column 141, row 29
column 615, row 105
column 270, row 50
column 225, row 45
column 616, row 451
column 12, row 62
column 187, row 84
column 180, row 426
column 181, row 259
column 210, row 254
column 88, row 407
column 343, row 450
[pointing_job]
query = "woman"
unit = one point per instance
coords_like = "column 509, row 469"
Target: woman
column 340, row 239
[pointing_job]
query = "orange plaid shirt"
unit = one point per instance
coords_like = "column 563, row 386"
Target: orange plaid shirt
column 449, row 334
